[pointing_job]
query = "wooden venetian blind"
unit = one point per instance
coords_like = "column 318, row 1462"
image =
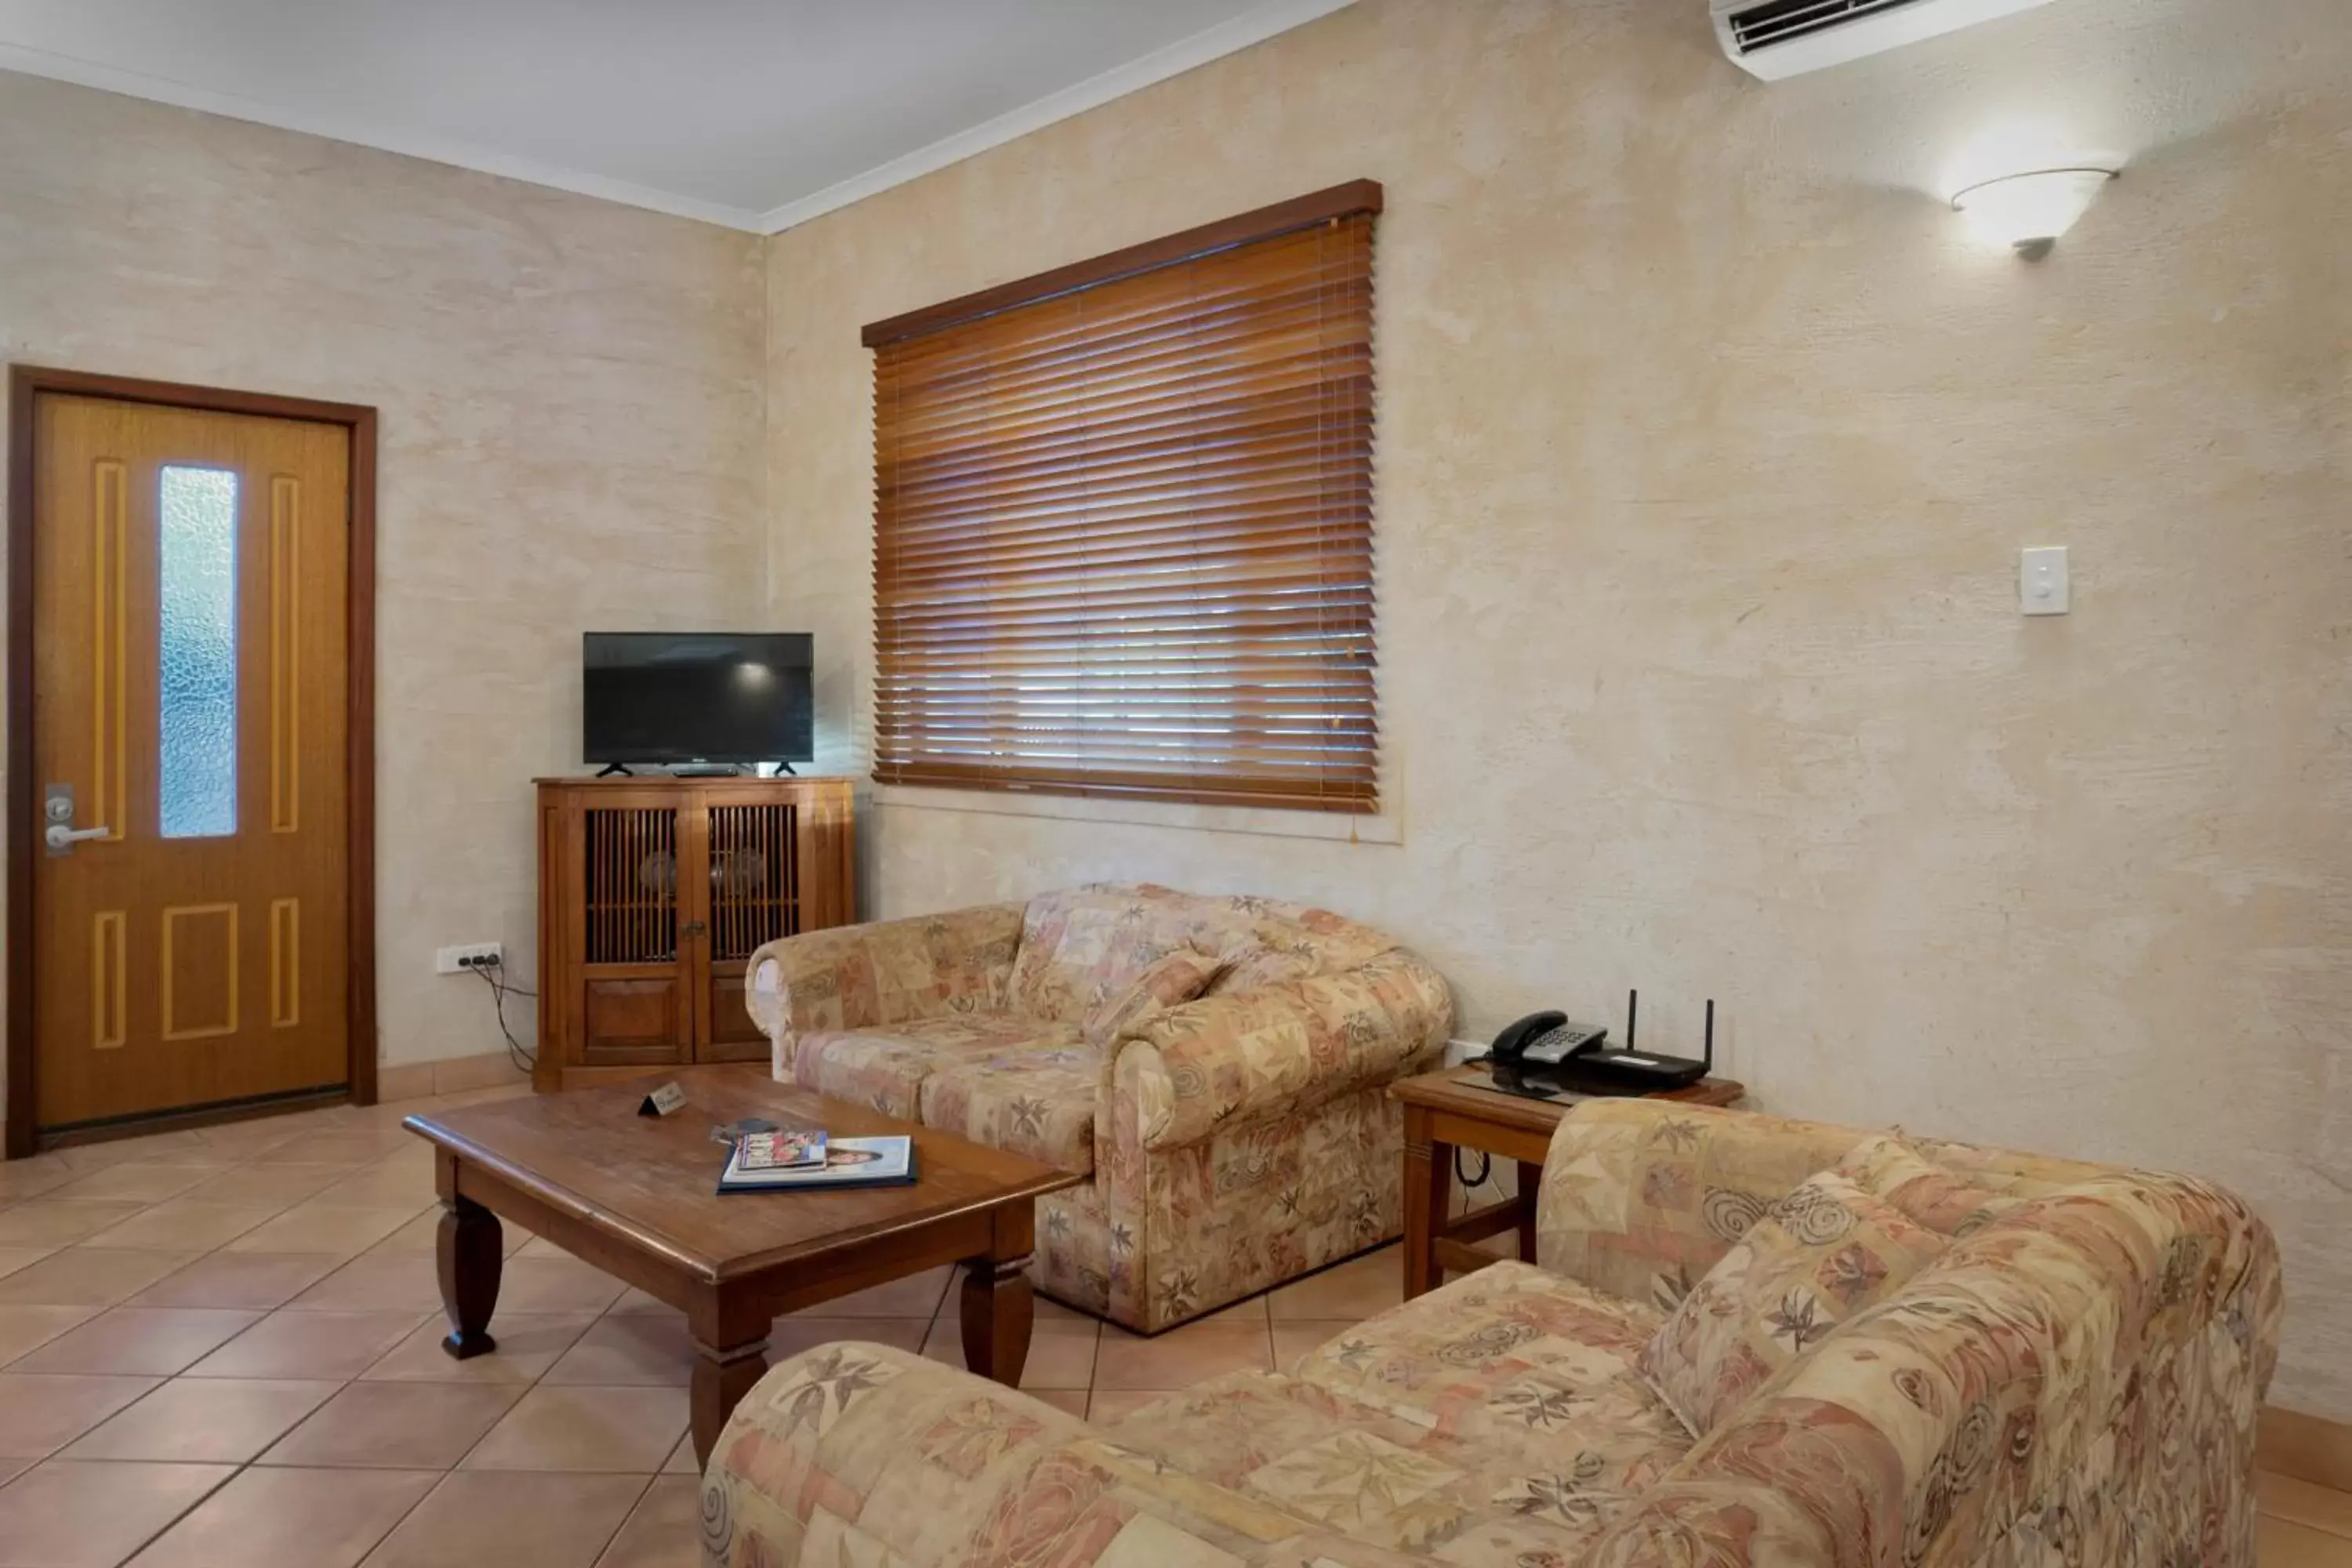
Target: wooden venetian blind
column 1123, row 522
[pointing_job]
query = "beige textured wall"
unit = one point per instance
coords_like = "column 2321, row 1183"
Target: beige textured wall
column 1706, row 446
column 570, row 399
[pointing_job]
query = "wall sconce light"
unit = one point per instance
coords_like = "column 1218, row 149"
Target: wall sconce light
column 2029, row 212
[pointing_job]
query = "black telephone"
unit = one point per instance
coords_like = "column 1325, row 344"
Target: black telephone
column 1545, row 1039
column 1545, row 1056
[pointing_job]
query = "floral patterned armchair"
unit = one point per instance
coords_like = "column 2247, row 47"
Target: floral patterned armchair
column 2072, row 1380
column 1217, row 1066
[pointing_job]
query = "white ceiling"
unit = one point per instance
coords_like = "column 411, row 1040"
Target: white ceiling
column 755, row 113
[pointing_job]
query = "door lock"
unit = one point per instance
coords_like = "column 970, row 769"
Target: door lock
column 57, row 810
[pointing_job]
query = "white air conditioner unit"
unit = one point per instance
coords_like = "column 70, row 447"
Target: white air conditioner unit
column 1777, row 38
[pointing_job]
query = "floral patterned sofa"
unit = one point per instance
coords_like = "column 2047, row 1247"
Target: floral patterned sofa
column 2069, row 1376
column 1218, row 1066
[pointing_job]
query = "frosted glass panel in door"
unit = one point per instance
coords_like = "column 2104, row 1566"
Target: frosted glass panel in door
column 196, row 588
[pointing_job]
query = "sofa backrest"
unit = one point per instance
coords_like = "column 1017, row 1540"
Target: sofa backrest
column 1080, row 946
column 1642, row 1197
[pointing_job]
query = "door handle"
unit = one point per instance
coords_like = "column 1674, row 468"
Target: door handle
column 57, row 812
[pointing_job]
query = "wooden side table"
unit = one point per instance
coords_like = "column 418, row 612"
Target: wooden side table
column 1455, row 1109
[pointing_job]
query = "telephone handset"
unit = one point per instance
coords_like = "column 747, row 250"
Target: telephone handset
column 1545, row 1039
column 1545, row 1057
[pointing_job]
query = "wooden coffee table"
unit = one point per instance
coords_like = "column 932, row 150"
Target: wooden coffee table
column 1455, row 1109
column 634, row 1195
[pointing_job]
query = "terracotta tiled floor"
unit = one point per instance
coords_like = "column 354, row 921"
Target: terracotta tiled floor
column 221, row 1350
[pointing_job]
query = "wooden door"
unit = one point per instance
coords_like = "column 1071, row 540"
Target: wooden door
column 190, row 661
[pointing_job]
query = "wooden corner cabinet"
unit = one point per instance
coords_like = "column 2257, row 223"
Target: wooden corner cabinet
column 654, row 892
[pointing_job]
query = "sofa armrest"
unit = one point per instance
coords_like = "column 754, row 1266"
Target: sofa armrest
column 886, row 972
column 2078, row 1381
column 855, row 1453
column 1282, row 1048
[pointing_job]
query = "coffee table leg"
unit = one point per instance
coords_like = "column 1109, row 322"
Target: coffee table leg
column 471, row 1254
column 722, row 1379
column 996, row 1311
column 996, row 1306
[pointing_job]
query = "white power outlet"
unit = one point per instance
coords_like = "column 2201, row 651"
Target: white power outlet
column 472, row 955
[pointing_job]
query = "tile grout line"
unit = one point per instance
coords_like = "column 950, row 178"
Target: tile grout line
column 2328, row 1529
column 173, row 1523
column 252, row 1462
column 235, row 1470
column 620, row 1524
column 377, row 1545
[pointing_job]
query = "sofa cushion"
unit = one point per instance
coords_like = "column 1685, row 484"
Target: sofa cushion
column 1290, row 941
column 885, row 1068
column 1495, row 1420
column 1499, row 1351
column 1819, row 1256
column 1939, row 1199
column 1038, row 1102
column 1169, row 981
column 863, row 1456
column 1530, row 1488
column 1083, row 946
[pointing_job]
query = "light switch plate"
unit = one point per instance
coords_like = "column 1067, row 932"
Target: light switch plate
column 2042, row 581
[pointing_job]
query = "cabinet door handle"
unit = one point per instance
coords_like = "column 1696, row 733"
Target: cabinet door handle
column 693, row 927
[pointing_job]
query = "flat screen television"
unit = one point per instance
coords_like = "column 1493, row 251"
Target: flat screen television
column 657, row 698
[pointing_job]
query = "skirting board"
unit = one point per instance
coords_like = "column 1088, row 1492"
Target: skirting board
column 2305, row 1447
column 453, row 1075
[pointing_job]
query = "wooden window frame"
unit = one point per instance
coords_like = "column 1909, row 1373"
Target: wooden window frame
column 1356, row 199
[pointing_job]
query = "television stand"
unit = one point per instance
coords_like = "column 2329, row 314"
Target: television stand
column 611, row 768
column 654, row 894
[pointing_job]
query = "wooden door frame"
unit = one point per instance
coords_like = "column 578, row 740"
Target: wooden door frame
column 25, row 384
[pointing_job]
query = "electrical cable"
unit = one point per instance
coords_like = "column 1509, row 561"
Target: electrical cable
column 494, row 976
column 1486, row 1169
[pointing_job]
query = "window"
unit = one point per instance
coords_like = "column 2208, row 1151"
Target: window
column 1123, row 522
column 195, row 580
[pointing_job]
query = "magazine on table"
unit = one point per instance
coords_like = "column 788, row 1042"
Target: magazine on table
column 780, row 1152
column 849, row 1163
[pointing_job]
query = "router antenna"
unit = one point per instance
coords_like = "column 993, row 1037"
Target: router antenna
column 1710, row 1034
column 1633, row 1000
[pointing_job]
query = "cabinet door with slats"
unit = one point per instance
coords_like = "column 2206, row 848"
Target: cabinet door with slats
column 754, row 885
column 634, row 1008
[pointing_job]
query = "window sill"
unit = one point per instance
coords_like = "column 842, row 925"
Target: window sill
column 1385, row 826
